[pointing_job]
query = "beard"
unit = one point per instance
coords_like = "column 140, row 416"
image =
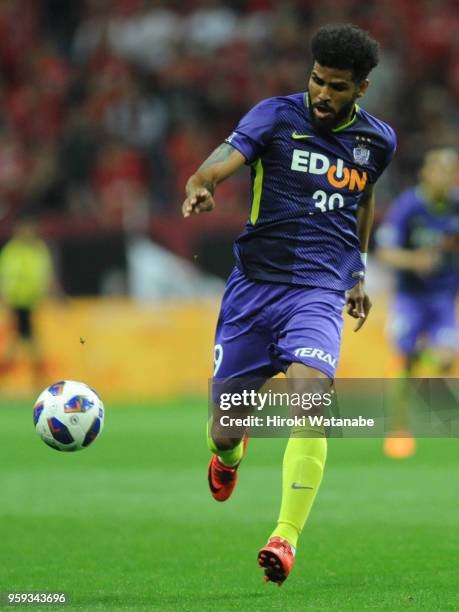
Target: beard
column 334, row 120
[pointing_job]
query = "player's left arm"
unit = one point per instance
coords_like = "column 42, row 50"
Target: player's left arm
column 358, row 304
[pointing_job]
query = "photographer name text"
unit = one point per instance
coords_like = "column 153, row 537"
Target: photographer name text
column 294, row 421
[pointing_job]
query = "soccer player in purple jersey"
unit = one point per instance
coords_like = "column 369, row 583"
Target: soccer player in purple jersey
column 314, row 160
column 419, row 238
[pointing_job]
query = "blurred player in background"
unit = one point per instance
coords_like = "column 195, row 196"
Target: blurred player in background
column 314, row 159
column 26, row 276
column 419, row 239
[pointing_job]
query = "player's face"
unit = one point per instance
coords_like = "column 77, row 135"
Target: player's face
column 332, row 95
column 439, row 171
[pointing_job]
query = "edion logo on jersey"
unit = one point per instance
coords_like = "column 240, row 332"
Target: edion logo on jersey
column 315, row 352
column 338, row 174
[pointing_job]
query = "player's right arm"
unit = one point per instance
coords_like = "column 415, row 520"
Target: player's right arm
column 200, row 187
column 420, row 261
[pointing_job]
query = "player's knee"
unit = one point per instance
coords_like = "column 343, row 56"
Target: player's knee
column 316, row 395
column 300, row 375
column 303, row 379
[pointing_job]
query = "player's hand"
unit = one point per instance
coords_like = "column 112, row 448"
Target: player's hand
column 451, row 244
column 200, row 201
column 358, row 304
column 424, row 261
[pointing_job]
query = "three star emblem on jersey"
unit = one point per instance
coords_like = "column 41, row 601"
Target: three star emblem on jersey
column 296, row 136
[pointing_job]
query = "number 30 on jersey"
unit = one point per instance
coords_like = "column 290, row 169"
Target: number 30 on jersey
column 325, row 202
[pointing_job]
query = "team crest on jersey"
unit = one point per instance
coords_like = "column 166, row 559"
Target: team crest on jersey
column 361, row 155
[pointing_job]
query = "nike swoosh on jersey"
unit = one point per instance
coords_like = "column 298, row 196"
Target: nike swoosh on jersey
column 296, row 136
column 297, row 486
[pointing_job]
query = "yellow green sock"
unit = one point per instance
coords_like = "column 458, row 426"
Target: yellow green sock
column 303, row 466
column 227, row 457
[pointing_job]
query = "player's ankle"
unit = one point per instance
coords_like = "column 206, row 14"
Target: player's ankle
column 227, row 463
column 287, row 532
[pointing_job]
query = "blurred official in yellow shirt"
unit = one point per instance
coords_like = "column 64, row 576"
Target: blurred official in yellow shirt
column 26, row 275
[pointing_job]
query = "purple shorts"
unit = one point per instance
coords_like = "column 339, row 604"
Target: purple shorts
column 264, row 327
column 431, row 317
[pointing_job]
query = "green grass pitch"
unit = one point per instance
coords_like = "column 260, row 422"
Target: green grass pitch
column 128, row 524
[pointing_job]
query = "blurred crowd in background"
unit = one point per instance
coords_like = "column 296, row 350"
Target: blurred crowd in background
column 107, row 106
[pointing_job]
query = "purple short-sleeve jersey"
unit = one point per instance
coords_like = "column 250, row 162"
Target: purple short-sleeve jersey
column 306, row 187
column 412, row 223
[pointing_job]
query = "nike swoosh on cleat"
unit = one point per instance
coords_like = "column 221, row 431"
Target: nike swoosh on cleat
column 295, row 486
column 296, row 136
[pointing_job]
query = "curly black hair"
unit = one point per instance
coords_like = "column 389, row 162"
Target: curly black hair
column 345, row 47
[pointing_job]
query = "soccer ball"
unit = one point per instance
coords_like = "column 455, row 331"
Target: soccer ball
column 68, row 415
